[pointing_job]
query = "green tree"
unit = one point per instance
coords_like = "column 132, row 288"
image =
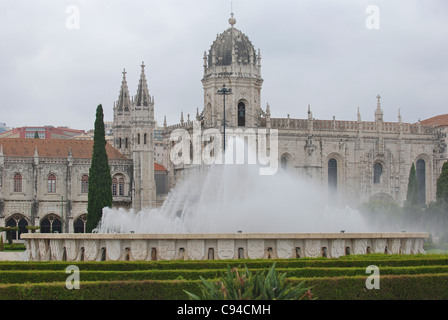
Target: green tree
column 412, row 196
column 100, row 180
column 442, row 184
column 36, row 135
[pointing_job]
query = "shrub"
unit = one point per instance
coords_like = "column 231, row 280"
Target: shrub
column 251, row 286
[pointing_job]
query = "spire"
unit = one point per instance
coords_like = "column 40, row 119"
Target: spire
column 164, row 122
column 123, row 99
column 143, row 98
column 378, row 111
column 182, row 117
column 399, row 116
column 359, row 115
column 310, row 115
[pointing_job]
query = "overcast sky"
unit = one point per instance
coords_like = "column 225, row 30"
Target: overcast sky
column 317, row 52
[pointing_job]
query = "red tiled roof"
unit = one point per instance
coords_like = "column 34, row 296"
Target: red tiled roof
column 159, row 167
column 437, row 121
column 54, row 148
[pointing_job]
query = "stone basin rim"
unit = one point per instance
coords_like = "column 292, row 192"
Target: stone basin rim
column 200, row 236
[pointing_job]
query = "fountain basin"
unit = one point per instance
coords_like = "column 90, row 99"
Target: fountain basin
column 214, row 246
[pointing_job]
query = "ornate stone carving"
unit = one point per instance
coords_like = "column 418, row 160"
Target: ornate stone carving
column 418, row 246
column 360, row 246
column 226, row 249
column 379, row 245
column 406, row 246
column 34, row 247
column 337, row 248
column 394, row 246
column 312, row 248
column 285, row 249
column 113, row 249
column 56, row 249
column 196, row 249
column 255, row 249
column 71, row 249
column 43, row 250
column 139, row 249
column 166, row 249
column 91, row 250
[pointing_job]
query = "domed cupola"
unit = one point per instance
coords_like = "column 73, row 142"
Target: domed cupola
column 232, row 47
column 232, row 60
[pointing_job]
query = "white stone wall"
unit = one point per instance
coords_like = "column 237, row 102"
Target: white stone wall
column 146, row 247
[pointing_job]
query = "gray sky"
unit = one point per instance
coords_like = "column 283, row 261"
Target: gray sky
column 316, row 52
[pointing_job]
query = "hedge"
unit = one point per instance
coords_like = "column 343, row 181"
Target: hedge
column 41, row 276
column 392, row 287
column 101, row 290
column 380, row 261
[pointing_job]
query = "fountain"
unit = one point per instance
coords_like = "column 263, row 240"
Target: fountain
column 228, row 212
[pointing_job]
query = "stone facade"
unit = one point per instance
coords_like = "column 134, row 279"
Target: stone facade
column 133, row 131
column 45, row 182
column 354, row 160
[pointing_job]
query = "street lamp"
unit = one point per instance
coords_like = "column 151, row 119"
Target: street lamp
column 224, row 92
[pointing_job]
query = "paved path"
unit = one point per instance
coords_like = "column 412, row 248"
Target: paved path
column 11, row 256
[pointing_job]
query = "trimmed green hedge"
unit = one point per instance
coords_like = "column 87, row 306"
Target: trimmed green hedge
column 101, row 290
column 346, row 262
column 392, row 287
column 401, row 277
column 404, row 287
column 41, row 276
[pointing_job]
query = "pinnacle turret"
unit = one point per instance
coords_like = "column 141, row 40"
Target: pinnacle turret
column 124, row 101
column 142, row 98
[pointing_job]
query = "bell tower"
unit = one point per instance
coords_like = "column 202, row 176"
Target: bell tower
column 133, row 130
column 142, row 133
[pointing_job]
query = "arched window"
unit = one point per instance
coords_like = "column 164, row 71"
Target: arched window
column 114, row 186
column 51, row 183
column 241, row 114
column 50, row 224
column 121, row 187
column 80, row 224
column 119, row 142
column 145, row 136
column 377, row 172
column 17, row 182
column 283, row 163
column 332, row 175
column 17, row 220
column 85, row 184
column 138, row 138
column 126, row 143
column 421, row 181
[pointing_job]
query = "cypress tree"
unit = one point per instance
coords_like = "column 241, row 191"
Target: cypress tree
column 100, row 180
column 412, row 196
column 36, row 135
column 442, row 184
